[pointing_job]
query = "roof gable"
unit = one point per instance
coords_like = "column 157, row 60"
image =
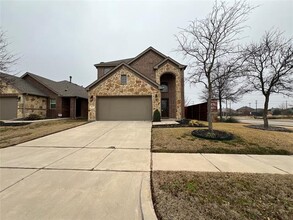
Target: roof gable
column 61, row 88
column 21, row 85
column 146, row 51
column 149, row 81
column 170, row 60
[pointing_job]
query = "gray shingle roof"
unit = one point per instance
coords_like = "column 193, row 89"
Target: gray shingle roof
column 63, row 88
column 21, row 85
column 114, row 63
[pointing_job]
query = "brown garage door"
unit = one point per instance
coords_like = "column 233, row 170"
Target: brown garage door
column 8, row 108
column 135, row 108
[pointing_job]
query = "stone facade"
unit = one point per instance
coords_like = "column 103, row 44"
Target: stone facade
column 5, row 88
column 27, row 104
column 168, row 67
column 111, row 86
column 30, row 104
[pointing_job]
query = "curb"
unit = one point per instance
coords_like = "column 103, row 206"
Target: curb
column 147, row 208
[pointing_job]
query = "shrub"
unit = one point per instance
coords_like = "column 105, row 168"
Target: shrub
column 157, row 115
column 230, row 120
column 195, row 123
column 33, row 117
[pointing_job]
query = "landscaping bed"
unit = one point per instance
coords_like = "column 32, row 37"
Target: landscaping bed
column 246, row 141
column 11, row 135
column 189, row 195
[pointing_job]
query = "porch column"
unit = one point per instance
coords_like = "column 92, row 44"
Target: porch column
column 73, row 107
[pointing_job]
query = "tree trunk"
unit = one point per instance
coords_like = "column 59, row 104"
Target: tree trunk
column 210, row 108
column 265, row 112
column 220, row 103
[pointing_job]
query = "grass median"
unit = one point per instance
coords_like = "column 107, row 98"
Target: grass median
column 246, row 141
column 11, row 135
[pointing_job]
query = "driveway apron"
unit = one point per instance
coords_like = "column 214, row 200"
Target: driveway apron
column 100, row 170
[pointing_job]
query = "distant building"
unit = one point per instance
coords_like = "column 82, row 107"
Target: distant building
column 245, row 111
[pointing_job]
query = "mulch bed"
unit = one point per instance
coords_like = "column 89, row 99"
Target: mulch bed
column 214, row 135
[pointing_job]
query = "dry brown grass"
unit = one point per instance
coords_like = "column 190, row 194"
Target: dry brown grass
column 247, row 140
column 11, row 135
column 187, row 195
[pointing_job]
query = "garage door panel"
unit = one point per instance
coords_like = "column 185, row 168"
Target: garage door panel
column 8, row 108
column 124, row 108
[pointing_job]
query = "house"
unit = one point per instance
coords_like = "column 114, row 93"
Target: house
column 133, row 88
column 18, row 98
column 31, row 93
column 245, row 111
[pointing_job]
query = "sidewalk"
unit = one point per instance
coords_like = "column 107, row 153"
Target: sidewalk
column 243, row 163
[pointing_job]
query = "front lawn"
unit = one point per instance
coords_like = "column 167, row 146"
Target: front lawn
column 247, row 141
column 11, row 135
column 188, row 195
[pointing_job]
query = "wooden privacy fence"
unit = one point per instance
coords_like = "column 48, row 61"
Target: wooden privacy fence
column 200, row 111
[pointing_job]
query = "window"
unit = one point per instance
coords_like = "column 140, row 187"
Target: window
column 52, row 103
column 164, row 87
column 123, row 79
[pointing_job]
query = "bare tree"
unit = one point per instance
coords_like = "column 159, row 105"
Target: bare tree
column 227, row 83
column 270, row 67
column 7, row 59
column 213, row 38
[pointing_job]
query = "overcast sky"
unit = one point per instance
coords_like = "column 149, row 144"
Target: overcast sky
column 56, row 39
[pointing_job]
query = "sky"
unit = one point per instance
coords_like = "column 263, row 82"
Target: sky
column 58, row 39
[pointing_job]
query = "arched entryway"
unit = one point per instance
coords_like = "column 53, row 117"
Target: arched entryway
column 168, row 95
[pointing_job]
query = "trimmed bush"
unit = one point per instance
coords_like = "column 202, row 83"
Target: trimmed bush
column 33, row 117
column 157, row 115
column 230, row 120
column 195, row 123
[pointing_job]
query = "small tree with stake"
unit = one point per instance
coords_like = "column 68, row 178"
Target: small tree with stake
column 210, row 39
column 269, row 67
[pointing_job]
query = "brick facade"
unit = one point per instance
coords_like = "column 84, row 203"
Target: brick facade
column 145, row 64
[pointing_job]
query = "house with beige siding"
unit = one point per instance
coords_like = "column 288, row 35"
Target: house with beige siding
column 133, row 88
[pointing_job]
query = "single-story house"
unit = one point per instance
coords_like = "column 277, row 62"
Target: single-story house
column 133, row 88
column 18, row 98
column 30, row 93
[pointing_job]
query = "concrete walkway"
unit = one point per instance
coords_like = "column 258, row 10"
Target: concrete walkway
column 97, row 171
column 275, row 164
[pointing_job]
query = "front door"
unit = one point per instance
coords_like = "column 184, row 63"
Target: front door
column 165, row 108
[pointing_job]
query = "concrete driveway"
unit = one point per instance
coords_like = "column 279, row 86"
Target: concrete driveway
column 97, row 171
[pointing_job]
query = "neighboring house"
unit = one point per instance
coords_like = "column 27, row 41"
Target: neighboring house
column 132, row 89
column 59, row 99
column 18, row 98
column 245, row 111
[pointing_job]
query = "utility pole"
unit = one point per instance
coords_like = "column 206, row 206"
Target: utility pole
column 249, row 105
column 286, row 104
column 256, row 106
